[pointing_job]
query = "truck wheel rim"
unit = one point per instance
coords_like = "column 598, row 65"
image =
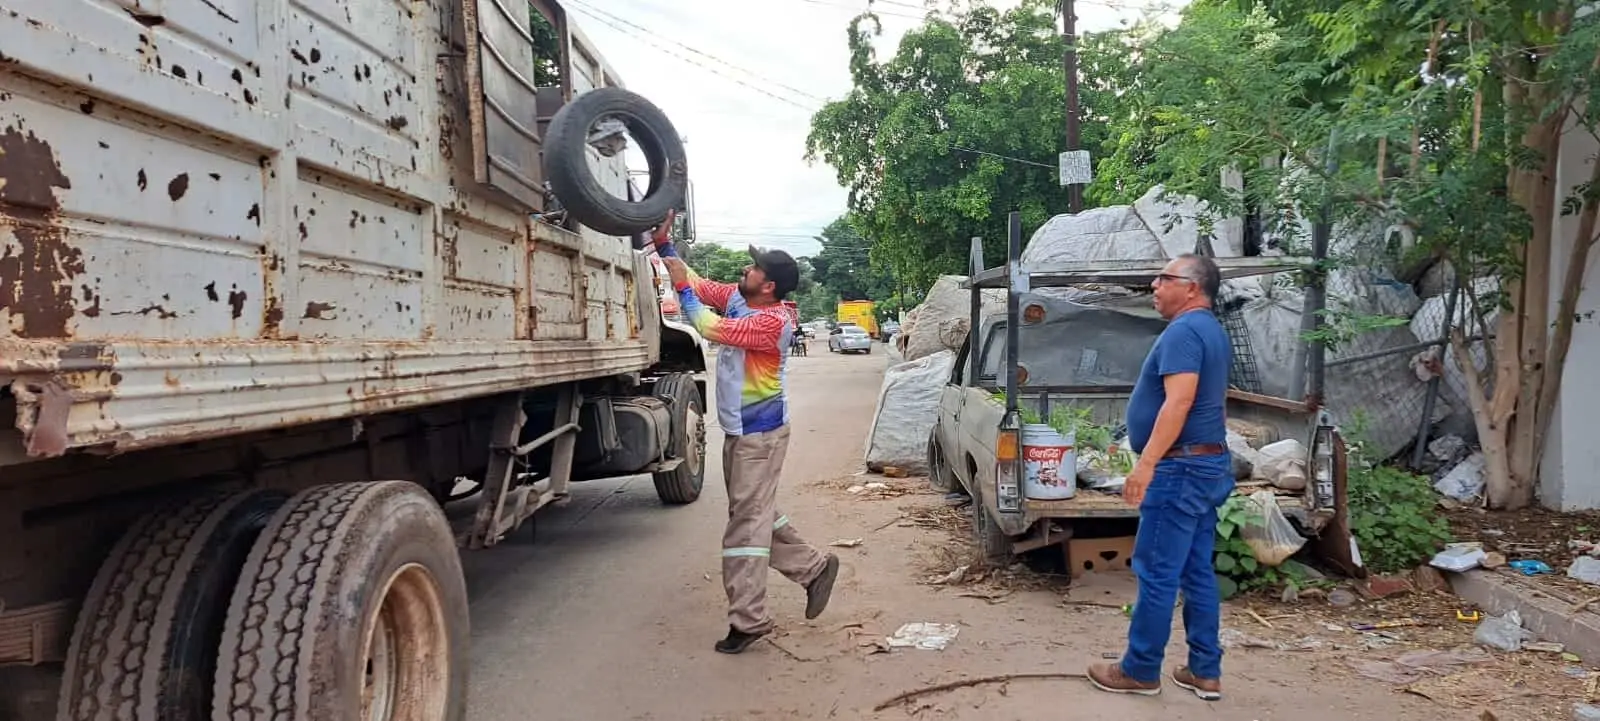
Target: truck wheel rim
column 407, row 656
column 697, row 440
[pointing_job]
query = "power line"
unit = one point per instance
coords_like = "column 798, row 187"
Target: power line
column 650, row 41
column 1002, row 157
column 590, row 9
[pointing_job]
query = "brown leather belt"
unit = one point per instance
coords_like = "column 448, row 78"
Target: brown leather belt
column 1196, row 449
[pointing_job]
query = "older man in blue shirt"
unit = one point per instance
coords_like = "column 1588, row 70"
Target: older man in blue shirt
column 1176, row 422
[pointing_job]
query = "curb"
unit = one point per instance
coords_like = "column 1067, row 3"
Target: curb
column 1550, row 618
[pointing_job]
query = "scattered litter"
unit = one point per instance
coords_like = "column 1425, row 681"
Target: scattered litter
column 953, row 578
column 1413, row 666
column 1465, row 617
column 847, row 543
column 855, row 489
column 894, row 472
column 1586, row 569
column 1585, row 712
column 1502, row 632
column 1570, row 657
column 1448, row 448
column 1234, row 638
column 1397, row 623
column 1341, row 597
column 1544, row 647
column 1530, row 567
column 925, row 636
column 1465, row 481
column 1587, row 548
column 1459, row 559
column 1493, row 559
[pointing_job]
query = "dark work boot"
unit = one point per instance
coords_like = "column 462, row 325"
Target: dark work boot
column 737, row 641
column 821, row 588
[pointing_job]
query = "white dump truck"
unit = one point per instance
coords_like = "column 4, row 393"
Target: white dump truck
column 298, row 297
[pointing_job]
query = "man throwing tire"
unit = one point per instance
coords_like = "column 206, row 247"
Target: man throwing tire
column 754, row 332
column 1176, row 423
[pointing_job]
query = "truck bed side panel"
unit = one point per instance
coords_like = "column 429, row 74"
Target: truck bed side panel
column 223, row 216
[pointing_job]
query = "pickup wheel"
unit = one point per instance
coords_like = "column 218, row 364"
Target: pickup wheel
column 352, row 605
column 993, row 544
column 566, row 162
column 682, row 484
column 145, row 643
column 940, row 474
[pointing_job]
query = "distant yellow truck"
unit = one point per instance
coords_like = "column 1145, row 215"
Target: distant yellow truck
column 859, row 313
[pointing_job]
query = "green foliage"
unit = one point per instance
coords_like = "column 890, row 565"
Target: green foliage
column 961, row 125
column 1392, row 511
column 845, row 265
column 717, row 262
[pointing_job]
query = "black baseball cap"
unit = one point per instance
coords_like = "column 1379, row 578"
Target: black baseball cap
column 779, row 267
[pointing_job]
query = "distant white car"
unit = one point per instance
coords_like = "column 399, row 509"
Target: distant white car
column 849, row 339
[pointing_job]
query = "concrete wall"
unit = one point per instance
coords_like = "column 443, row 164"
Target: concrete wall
column 1569, row 479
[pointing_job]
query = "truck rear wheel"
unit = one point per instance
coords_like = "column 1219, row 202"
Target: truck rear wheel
column 940, row 476
column 683, row 484
column 145, row 643
column 993, row 544
column 352, row 605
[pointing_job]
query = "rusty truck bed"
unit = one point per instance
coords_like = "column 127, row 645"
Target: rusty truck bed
column 240, row 215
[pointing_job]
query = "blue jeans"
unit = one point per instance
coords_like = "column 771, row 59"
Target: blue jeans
column 1174, row 548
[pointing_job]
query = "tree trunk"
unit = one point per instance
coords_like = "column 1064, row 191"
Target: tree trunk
column 1492, row 427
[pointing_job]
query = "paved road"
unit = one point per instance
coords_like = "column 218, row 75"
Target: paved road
column 610, row 614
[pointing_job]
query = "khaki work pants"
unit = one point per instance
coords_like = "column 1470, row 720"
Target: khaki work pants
column 758, row 536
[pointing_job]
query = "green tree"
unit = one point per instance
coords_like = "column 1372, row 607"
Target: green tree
column 716, row 262
column 845, row 264
column 959, row 127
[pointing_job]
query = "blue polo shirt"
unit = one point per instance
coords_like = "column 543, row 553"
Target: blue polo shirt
column 1193, row 342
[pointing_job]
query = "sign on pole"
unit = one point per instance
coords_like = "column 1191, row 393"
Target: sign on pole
column 1075, row 168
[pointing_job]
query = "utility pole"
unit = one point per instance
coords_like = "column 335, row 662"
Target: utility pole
column 1069, row 65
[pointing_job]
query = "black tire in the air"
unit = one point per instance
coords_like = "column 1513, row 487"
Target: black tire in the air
column 341, row 572
column 566, row 162
column 683, row 484
column 145, row 643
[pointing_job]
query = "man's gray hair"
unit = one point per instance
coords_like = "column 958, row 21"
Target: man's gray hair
column 1205, row 273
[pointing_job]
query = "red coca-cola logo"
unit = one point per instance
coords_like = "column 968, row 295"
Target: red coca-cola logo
column 1045, row 453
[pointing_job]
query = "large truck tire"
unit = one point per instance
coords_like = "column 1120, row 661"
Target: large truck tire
column 145, row 642
column 683, row 484
column 566, row 162
column 352, row 605
column 994, row 546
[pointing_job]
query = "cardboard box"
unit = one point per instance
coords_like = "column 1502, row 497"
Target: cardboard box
column 1100, row 555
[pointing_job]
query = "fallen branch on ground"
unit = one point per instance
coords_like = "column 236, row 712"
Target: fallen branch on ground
column 1002, row 678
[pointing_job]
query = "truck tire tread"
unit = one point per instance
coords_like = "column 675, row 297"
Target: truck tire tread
column 285, row 607
column 132, row 622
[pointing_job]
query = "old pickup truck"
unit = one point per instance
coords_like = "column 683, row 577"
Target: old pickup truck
column 280, row 281
column 1052, row 349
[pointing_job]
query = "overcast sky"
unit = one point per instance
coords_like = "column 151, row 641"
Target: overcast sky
column 741, row 86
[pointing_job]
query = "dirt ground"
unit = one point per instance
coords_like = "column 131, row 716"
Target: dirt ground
column 609, row 613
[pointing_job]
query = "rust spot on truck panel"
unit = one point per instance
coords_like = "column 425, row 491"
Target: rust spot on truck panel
column 318, row 311
column 178, row 186
column 236, row 299
column 36, row 273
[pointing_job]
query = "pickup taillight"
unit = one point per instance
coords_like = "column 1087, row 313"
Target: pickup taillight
column 1008, row 471
column 1322, row 466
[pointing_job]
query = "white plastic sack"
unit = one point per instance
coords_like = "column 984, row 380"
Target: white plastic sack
column 908, row 406
column 1270, row 535
column 1429, row 324
column 1283, row 464
column 1383, row 390
column 940, row 321
column 1465, row 481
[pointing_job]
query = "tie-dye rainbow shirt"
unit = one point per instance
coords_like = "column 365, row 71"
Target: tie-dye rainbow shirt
column 755, row 343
